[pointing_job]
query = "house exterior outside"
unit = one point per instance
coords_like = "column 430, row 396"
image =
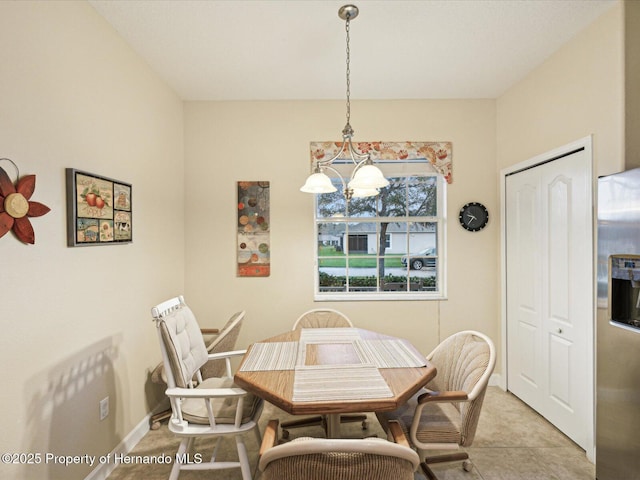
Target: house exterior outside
column 362, row 238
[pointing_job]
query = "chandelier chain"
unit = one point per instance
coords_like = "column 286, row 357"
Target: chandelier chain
column 347, row 22
column 366, row 179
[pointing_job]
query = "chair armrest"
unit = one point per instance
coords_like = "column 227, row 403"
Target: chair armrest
column 223, row 355
column 209, row 331
column 448, row 396
column 204, row 392
column 270, row 436
column 398, row 435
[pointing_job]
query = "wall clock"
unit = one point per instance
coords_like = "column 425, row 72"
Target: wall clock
column 473, row 216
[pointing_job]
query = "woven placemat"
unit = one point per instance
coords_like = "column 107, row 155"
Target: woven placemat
column 338, row 382
column 271, row 356
column 388, row 354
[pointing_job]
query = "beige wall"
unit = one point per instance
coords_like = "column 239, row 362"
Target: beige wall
column 231, row 141
column 632, row 83
column 577, row 92
column 75, row 322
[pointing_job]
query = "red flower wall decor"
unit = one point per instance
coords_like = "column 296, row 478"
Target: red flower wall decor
column 16, row 208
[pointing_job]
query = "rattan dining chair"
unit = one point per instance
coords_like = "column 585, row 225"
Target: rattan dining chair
column 212, row 407
column 445, row 414
column 224, row 341
column 322, row 318
column 337, row 459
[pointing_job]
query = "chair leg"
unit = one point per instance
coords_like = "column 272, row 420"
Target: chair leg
column 428, row 472
column 258, row 435
column 216, row 448
column 303, row 422
column 157, row 418
column 355, row 418
column 449, row 457
column 175, row 470
column 256, row 430
column 245, row 467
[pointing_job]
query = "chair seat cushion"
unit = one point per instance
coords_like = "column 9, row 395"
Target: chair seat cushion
column 439, row 423
column 194, row 410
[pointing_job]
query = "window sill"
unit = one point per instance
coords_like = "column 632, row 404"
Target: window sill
column 377, row 296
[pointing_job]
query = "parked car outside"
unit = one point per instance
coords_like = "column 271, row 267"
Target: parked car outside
column 424, row 258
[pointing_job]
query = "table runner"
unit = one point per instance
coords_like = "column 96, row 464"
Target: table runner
column 271, row 356
column 316, row 383
column 387, row 354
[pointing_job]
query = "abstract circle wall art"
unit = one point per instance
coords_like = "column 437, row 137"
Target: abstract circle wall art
column 253, row 237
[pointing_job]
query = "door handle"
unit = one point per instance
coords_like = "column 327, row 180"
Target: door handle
column 559, row 330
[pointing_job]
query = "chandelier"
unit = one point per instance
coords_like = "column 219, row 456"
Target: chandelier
column 366, row 179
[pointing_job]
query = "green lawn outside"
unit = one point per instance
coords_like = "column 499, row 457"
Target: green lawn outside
column 329, row 257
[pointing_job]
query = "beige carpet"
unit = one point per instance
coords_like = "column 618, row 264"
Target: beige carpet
column 162, row 442
column 513, row 442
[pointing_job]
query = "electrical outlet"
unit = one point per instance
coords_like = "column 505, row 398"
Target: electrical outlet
column 104, row 408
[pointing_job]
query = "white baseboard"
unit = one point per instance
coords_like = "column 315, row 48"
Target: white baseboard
column 495, row 380
column 124, row 447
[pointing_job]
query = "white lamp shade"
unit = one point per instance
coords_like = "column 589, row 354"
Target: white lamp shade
column 364, row 192
column 368, row 177
column 318, row 183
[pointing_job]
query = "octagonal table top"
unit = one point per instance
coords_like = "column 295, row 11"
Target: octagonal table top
column 333, row 371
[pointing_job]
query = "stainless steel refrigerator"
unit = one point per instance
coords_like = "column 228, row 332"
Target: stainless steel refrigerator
column 618, row 328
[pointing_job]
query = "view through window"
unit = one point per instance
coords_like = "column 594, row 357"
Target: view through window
column 384, row 247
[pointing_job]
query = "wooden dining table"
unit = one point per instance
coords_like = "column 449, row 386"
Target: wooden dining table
column 333, row 371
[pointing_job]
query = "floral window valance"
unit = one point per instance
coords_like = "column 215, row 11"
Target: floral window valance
column 438, row 153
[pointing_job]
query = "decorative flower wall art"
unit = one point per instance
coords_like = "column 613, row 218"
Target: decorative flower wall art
column 16, row 207
column 253, row 243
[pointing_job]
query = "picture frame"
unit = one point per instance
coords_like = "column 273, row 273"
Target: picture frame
column 253, row 254
column 99, row 210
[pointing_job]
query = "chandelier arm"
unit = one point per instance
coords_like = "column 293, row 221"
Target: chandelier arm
column 324, row 163
column 361, row 163
column 357, row 155
column 347, row 146
column 348, row 192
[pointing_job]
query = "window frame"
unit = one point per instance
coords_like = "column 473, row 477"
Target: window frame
column 440, row 219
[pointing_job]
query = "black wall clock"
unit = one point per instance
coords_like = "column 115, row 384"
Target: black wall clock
column 474, row 216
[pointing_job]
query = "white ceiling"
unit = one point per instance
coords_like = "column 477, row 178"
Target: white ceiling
column 295, row 49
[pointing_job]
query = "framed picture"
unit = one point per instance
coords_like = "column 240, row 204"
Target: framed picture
column 99, row 210
column 253, row 230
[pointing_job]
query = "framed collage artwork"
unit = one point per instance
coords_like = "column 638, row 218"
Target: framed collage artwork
column 99, row 210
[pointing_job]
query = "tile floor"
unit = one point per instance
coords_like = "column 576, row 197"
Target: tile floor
column 513, row 442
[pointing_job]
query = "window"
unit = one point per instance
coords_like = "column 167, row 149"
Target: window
column 386, row 247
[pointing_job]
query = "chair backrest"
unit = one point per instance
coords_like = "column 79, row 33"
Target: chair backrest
column 339, row 459
column 224, row 342
column 322, row 318
column 181, row 343
column 464, row 361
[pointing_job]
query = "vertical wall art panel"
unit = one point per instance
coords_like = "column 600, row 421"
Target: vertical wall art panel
column 254, row 245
